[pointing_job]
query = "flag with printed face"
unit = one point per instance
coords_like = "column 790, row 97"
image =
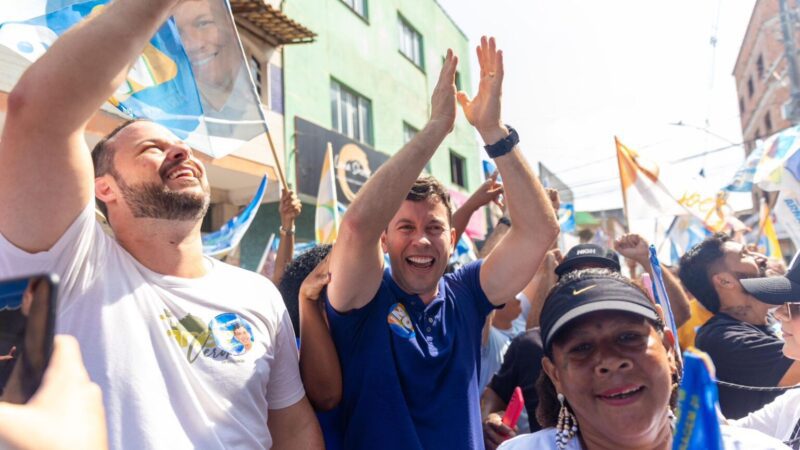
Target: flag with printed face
column 326, row 221
column 191, row 76
column 778, row 150
column 645, row 196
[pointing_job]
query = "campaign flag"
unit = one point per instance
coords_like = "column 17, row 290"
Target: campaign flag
column 326, row 221
column 231, row 233
column 768, row 240
column 191, row 76
column 743, row 178
column 489, row 168
column 644, row 195
column 661, row 297
column 787, row 208
column 464, row 252
column 684, row 233
column 266, row 264
column 566, row 217
column 697, row 422
column 778, row 150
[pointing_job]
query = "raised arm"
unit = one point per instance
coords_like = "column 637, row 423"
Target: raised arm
column 357, row 260
column 636, row 248
column 319, row 362
column 514, row 261
column 487, row 192
column 289, row 209
column 46, row 174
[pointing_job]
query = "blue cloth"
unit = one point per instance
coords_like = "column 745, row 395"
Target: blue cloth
column 331, row 424
column 410, row 371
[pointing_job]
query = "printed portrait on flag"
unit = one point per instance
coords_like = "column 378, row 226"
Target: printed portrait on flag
column 212, row 46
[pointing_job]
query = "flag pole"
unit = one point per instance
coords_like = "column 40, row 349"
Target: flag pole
column 278, row 167
column 622, row 186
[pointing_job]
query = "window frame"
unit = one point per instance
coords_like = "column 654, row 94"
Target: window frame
column 354, row 105
column 454, row 173
column 404, row 24
column 364, row 3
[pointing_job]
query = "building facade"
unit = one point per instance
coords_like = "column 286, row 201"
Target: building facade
column 364, row 85
column 762, row 80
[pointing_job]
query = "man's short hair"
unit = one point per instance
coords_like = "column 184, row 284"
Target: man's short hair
column 696, row 270
column 296, row 271
column 103, row 157
column 428, row 187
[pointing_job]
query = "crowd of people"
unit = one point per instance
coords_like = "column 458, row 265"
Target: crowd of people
column 160, row 346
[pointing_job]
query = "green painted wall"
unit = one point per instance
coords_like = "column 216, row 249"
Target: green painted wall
column 364, row 55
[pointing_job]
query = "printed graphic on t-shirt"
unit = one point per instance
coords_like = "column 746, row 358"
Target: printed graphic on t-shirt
column 194, row 335
column 232, row 333
column 399, row 322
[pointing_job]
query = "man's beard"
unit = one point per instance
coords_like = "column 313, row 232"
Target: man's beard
column 154, row 201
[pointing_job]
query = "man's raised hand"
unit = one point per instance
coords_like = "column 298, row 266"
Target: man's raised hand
column 483, row 111
column 443, row 100
column 634, row 247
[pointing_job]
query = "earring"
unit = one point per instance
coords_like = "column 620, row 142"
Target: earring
column 567, row 426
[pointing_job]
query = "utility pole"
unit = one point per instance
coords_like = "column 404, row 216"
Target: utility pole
column 792, row 107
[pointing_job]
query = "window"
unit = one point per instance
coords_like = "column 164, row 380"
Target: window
column 408, row 132
column 457, row 169
column 358, row 6
column 750, row 87
column 256, row 73
column 768, row 122
column 741, row 105
column 760, row 67
column 410, row 43
column 275, row 89
column 351, row 114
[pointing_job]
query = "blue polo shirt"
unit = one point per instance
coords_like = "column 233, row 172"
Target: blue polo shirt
column 410, row 371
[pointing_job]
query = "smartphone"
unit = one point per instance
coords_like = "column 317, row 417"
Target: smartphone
column 514, row 409
column 27, row 325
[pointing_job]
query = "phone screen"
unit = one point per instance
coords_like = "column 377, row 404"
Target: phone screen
column 27, row 319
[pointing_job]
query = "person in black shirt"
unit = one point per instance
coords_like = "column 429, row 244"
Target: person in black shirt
column 739, row 337
column 521, row 367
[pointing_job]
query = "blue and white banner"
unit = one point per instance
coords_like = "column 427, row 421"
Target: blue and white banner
column 660, row 292
column 191, row 77
column 566, row 217
column 229, row 236
column 743, row 178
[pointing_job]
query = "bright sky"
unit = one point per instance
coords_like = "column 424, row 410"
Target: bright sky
column 579, row 72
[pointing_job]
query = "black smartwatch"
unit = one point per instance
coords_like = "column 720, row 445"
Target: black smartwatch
column 505, row 221
column 504, row 145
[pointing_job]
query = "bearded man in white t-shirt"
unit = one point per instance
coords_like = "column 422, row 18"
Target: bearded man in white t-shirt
column 154, row 317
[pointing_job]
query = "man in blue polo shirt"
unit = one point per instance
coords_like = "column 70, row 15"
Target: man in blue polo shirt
column 409, row 339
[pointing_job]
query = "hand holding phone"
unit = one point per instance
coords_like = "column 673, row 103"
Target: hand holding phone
column 27, row 321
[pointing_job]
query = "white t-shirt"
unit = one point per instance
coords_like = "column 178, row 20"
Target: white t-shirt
column 733, row 438
column 777, row 419
column 174, row 373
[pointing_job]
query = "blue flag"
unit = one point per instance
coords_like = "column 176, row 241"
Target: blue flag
column 660, row 292
column 566, row 217
column 229, row 236
column 191, row 77
column 697, row 426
